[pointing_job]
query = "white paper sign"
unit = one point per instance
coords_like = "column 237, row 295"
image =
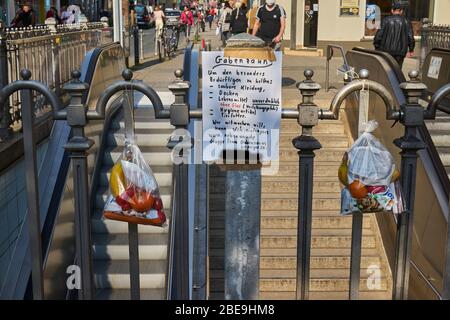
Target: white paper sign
column 435, row 67
column 316, row 7
column 241, row 106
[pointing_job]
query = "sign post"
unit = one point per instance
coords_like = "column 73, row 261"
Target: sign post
column 241, row 121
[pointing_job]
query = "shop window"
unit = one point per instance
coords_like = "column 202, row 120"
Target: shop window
column 415, row 11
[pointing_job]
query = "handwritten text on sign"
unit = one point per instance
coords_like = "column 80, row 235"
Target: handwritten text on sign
column 241, row 106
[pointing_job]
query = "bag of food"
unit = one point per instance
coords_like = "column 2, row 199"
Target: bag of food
column 370, row 177
column 134, row 193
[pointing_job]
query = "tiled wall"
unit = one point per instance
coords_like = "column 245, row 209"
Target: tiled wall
column 13, row 204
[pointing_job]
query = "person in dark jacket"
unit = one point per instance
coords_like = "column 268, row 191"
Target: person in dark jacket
column 24, row 17
column 395, row 35
column 239, row 22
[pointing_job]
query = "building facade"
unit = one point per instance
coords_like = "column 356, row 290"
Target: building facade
column 90, row 8
column 352, row 22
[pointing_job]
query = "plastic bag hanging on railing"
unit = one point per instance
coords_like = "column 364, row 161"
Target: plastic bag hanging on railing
column 134, row 192
column 370, row 177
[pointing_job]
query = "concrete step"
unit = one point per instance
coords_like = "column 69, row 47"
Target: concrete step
column 444, row 154
column 316, row 285
column 441, row 124
column 289, row 169
column 292, row 204
column 101, row 225
column 316, row 273
column 115, row 246
column 276, row 222
column 327, row 155
column 294, row 213
column 325, row 126
column 441, row 138
column 290, row 241
column 316, row 295
column 144, row 124
column 326, row 140
column 103, row 194
column 323, row 285
column 315, row 252
column 289, row 185
column 124, row 294
column 155, row 156
column 144, row 137
column 115, row 274
column 286, row 263
column 218, row 204
column 163, row 175
column 331, row 262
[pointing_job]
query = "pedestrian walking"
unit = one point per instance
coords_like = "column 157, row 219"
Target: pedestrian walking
column 270, row 23
column 395, row 35
column 159, row 17
column 53, row 13
column 210, row 17
column 224, row 22
column 24, row 17
column 187, row 20
column 251, row 16
column 239, row 22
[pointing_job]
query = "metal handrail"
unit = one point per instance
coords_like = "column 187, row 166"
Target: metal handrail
column 427, row 280
column 170, row 247
column 330, row 53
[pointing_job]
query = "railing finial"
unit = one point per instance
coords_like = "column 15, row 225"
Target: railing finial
column 127, row 75
column 179, row 73
column 25, row 74
column 364, row 74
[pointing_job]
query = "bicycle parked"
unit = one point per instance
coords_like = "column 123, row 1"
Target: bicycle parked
column 167, row 41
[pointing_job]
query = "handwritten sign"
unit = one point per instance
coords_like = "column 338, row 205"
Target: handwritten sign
column 241, row 106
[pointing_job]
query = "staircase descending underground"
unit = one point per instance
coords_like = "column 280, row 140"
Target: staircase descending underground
column 439, row 130
column 110, row 238
column 331, row 233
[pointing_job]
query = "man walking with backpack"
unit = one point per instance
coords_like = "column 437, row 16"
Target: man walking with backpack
column 270, row 23
column 395, row 36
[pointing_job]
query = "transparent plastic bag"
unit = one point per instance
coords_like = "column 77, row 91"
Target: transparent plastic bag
column 134, row 193
column 369, row 176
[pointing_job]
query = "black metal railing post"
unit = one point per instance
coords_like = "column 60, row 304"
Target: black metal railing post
column 136, row 45
column 179, row 117
column 31, row 172
column 25, row 87
column 412, row 118
column 77, row 146
column 5, row 118
column 306, row 144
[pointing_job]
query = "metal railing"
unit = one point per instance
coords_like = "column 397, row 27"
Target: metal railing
column 433, row 36
column 345, row 68
column 50, row 53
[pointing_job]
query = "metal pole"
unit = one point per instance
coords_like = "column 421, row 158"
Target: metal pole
column 136, row 45
column 117, row 21
column 77, row 147
column 133, row 234
column 306, row 144
column 410, row 144
column 357, row 217
column 33, row 216
column 133, row 248
column 242, row 229
column 179, row 117
column 141, row 44
column 4, row 110
column 293, row 45
column 446, row 273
